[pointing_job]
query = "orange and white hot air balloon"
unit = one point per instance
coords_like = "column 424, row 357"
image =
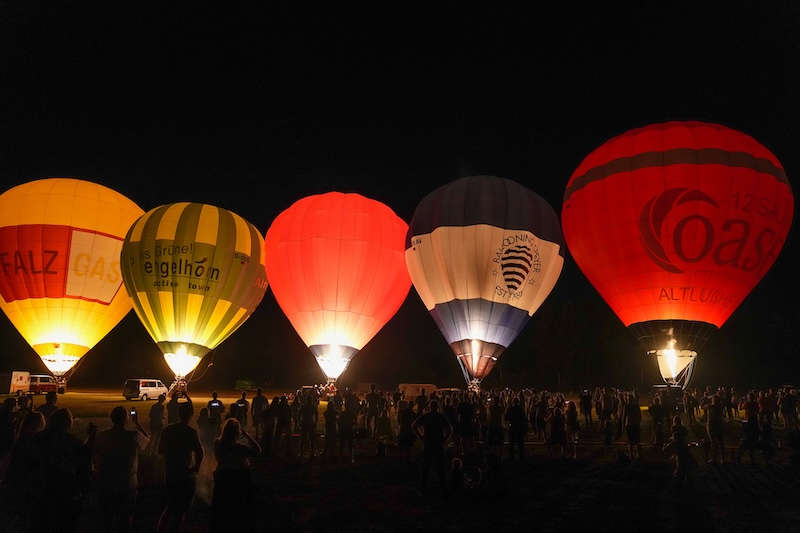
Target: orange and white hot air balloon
column 60, row 280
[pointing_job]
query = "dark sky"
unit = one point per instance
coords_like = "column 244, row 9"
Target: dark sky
column 251, row 110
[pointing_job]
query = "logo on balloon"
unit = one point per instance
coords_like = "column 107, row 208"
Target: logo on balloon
column 746, row 245
column 518, row 257
column 651, row 223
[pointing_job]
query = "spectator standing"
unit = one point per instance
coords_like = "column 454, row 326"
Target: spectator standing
column 183, row 455
column 259, row 404
column 157, row 421
column 63, row 465
column 434, row 430
column 116, row 462
column 232, row 500
column 571, row 422
column 242, row 407
column 215, row 408
column 633, row 425
column 715, row 428
column 517, row 428
column 331, row 430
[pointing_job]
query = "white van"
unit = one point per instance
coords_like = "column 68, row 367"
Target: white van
column 143, row 388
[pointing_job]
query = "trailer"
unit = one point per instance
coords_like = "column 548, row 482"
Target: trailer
column 14, row 380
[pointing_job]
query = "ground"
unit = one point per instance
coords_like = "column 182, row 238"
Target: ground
column 600, row 491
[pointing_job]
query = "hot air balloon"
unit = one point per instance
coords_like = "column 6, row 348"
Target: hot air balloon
column 483, row 253
column 195, row 273
column 674, row 224
column 60, row 279
column 335, row 264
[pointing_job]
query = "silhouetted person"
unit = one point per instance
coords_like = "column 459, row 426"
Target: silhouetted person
column 233, row 491
column 678, row 447
column 259, row 404
column 8, row 425
column 61, row 475
column 659, row 415
column 157, row 421
column 183, row 455
column 242, row 407
column 373, row 399
column 517, row 428
column 216, row 408
column 422, row 402
column 571, row 424
column 633, row 426
column 558, row 431
column 405, row 420
column 465, row 412
column 434, row 430
column 383, row 426
column 18, row 482
column 586, row 407
column 750, row 431
column 49, row 406
column 172, row 409
column 116, row 464
column 715, row 428
column 308, row 427
column 283, row 433
column 347, row 421
column 267, row 419
column 495, row 436
column 331, row 430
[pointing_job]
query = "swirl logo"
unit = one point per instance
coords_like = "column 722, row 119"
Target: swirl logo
column 651, row 223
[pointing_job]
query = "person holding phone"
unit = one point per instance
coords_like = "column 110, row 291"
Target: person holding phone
column 116, row 463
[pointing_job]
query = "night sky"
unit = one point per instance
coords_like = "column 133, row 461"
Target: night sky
column 251, row 110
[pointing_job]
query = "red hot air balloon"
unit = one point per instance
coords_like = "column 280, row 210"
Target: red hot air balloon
column 336, row 264
column 674, row 224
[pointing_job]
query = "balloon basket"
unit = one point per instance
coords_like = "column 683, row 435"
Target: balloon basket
column 474, row 385
column 180, row 385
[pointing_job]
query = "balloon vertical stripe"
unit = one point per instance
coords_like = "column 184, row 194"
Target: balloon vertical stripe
column 197, row 273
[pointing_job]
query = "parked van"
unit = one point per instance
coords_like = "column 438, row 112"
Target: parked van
column 412, row 390
column 143, row 388
column 42, row 384
column 16, row 380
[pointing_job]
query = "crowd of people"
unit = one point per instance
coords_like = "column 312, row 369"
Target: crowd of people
column 463, row 436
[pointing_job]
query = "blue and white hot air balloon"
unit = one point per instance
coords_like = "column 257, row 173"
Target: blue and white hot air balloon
column 483, row 253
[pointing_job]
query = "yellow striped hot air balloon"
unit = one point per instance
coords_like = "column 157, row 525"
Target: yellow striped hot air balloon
column 195, row 273
column 60, row 240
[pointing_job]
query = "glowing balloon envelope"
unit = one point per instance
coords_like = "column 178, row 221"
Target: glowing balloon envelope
column 195, row 273
column 674, row 224
column 483, row 253
column 60, row 280
column 335, row 264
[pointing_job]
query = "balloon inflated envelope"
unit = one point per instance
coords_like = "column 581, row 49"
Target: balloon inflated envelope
column 195, row 273
column 483, row 253
column 60, row 279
